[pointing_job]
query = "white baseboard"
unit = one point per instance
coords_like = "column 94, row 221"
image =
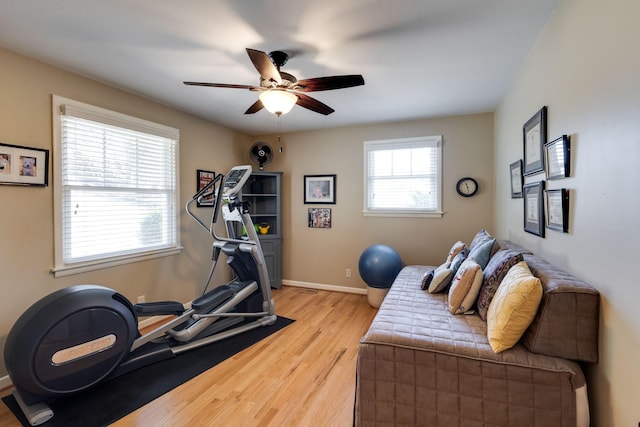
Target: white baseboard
column 323, row 287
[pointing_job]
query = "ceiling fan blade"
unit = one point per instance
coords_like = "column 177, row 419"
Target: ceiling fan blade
column 232, row 86
column 265, row 67
column 255, row 107
column 313, row 104
column 329, row 83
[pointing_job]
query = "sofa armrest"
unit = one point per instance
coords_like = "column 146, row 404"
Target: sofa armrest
column 567, row 321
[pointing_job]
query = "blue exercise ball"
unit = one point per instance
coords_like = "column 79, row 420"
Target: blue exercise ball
column 379, row 265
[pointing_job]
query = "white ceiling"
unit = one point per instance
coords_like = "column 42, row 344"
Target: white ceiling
column 419, row 58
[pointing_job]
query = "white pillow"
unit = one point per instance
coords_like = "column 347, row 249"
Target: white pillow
column 441, row 278
column 455, row 250
column 465, row 287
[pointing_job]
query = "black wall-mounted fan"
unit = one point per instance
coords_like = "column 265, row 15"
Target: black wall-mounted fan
column 261, row 154
column 271, row 78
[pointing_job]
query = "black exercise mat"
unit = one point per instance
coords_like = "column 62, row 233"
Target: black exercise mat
column 108, row 402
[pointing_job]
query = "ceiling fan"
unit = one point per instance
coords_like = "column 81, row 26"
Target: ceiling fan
column 280, row 91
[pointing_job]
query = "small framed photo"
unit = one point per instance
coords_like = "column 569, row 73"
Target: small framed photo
column 557, row 154
column 203, row 178
column 534, row 208
column 558, row 209
column 534, row 135
column 24, row 165
column 319, row 218
column 515, row 169
column 320, row 189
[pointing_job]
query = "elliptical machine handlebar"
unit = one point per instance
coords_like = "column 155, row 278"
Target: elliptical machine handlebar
column 217, row 197
column 231, row 186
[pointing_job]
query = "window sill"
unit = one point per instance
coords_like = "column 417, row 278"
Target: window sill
column 403, row 214
column 68, row 270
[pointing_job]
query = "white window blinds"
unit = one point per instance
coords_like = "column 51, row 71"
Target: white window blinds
column 403, row 176
column 118, row 186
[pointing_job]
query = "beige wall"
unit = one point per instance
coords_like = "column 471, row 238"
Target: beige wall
column 585, row 67
column 26, row 215
column 321, row 256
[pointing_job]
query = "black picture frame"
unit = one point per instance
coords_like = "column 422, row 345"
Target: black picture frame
column 557, row 202
column 20, row 165
column 534, row 136
column 557, row 155
column 203, row 177
column 320, row 189
column 534, row 219
column 515, row 171
column 319, row 217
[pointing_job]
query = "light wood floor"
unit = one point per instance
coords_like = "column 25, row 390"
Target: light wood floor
column 303, row 375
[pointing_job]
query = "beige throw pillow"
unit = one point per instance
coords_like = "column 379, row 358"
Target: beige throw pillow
column 513, row 307
column 455, row 250
column 465, row 287
column 441, row 278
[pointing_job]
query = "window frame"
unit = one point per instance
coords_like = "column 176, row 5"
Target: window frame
column 433, row 141
column 108, row 117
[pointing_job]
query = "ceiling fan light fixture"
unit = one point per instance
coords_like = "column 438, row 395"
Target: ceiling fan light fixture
column 278, row 101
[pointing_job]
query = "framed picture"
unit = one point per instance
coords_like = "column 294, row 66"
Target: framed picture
column 558, row 209
column 24, row 165
column 534, row 135
column 319, row 217
column 320, row 189
column 515, row 169
column 534, row 208
column 557, row 154
column 204, row 177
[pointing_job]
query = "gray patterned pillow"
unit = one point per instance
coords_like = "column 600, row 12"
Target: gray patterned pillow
column 495, row 271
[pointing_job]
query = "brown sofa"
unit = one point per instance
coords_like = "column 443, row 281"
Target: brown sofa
column 418, row 364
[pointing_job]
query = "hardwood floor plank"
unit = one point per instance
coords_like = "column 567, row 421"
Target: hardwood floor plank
column 303, row 375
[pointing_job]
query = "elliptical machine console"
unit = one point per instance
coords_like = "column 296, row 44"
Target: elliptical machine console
column 77, row 337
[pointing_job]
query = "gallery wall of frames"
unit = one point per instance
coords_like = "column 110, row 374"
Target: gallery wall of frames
column 545, row 162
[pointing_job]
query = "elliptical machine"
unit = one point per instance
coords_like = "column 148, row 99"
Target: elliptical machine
column 79, row 336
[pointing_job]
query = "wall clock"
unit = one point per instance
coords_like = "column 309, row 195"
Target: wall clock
column 467, row 187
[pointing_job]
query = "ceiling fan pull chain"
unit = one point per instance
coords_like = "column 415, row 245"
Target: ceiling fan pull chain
column 279, row 133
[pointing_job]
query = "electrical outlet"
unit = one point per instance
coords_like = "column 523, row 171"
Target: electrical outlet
column 348, row 272
column 141, row 299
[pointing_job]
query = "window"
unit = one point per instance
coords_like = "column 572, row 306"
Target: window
column 403, row 177
column 115, row 194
